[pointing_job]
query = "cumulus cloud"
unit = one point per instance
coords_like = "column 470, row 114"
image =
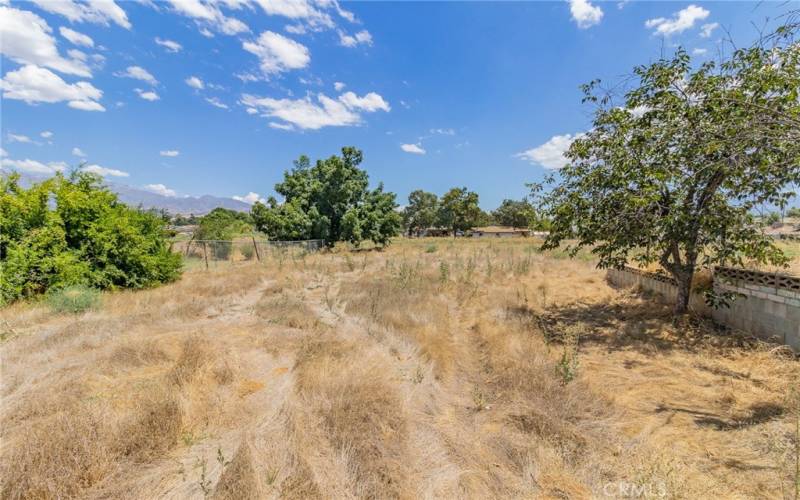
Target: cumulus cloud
column 161, row 189
column 138, row 73
column 105, row 172
column 681, row 21
column 413, row 148
column 308, row 13
column 195, row 82
column 370, row 102
column 707, row 30
column 27, row 39
column 18, row 138
column 170, row 45
column 362, row 37
column 277, row 53
column 170, row 153
column 338, row 86
column 208, row 15
column 551, row 153
column 325, row 112
column 46, row 134
column 700, row 52
column 281, row 126
column 77, row 152
column 147, row 95
column 75, row 37
column 33, row 84
column 214, row 101
column 584, row 13
column 250, row 198
column 92, row 11
column 33, row 166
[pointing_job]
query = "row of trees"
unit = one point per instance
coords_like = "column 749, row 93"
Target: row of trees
column 458, row 210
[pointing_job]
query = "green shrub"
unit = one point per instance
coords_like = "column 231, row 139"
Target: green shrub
column 430, row 248
column 73, row 299
column 247, row 251
column 68, row 231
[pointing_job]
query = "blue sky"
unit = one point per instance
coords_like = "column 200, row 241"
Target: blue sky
column 193, row 97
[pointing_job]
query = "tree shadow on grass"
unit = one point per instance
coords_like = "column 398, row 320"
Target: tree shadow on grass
column 758, row 413
column 633, row 322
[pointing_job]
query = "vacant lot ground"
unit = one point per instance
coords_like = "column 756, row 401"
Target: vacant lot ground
column 434, row 369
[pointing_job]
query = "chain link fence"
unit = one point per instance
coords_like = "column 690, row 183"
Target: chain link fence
column 212, row 253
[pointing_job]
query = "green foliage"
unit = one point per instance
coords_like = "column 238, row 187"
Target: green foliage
column 772, row 218
column 673, row 174
column 72, row 231
column 793, row 212
column 421, row 211
column 459, row 210
column 515, row 214
column 73, row 299
column 222, row 224
column 329, row 201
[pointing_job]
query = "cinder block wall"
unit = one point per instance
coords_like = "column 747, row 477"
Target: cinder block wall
column 766, row 305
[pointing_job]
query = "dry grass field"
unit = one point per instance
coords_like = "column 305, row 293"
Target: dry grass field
column 433, row 369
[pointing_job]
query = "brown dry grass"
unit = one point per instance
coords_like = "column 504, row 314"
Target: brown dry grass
column 437, row 369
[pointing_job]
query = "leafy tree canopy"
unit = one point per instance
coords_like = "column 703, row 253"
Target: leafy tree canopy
column 329, row 201
column 223, row 224
column 421, row 211
column 515, row 214
column 673, row 174
column 459, row 210
column 72, row 231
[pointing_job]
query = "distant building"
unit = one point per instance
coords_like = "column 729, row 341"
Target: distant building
column 500, row 232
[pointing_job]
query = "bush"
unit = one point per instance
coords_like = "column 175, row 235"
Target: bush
column 73, row 231
column 73, row 299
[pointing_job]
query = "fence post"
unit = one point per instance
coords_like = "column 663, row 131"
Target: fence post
column 189, row 245
column 205, row 254
column 255, row 246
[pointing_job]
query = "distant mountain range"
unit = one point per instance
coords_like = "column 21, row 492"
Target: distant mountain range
column 136, row 197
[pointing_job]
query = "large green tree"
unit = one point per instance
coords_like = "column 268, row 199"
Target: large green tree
column 515, row 214
column 329, row 201
column 421, row 211
column 459, row 210
column 673, row 174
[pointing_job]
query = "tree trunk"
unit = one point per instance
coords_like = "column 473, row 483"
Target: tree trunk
column 684, row 279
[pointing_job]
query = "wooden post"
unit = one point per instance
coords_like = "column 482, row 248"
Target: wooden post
column 189, row 245
column 258, row 255
column 205, row 254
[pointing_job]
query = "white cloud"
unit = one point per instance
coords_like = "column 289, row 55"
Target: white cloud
column 707, row 29
column 413, row 148
column 214, row 101
column 33, row 166
column 325, row 112
column 77, row 152
column 195, row 82
column 584, row 13
column 18, row 138
column 138, row 73
column 3, row 152
column 681, row 21
column 148, row 95
column 551, row 153
column 700, row 52
column 46, row 134
column 105, row 172
column 26, row 39
column 77, row 55
column 295, row 29
column 338, row 86
column 172, row 153
column 76, row 37
column 443, row 131
column 170, row 45
column 161, row 189
column 93, row 11
column 281, row 126
column 33, row 84
column 250, row 198
column 301, row 10
column 208, row 15
column 278, row 53
column 362, row 37
column 252, row 111
column 370, row 102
